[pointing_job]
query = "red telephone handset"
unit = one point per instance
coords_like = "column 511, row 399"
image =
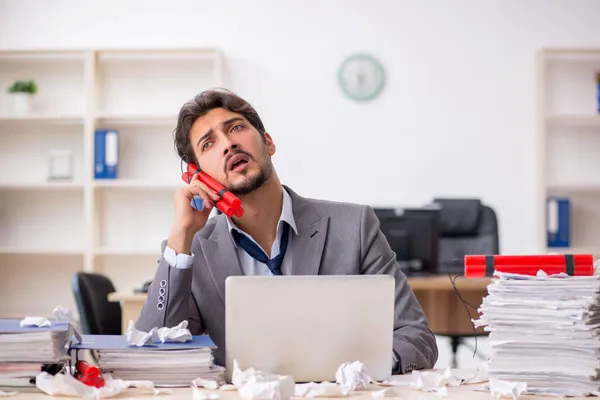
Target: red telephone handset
column 228, row 203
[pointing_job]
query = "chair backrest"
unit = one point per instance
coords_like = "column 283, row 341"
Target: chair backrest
column 98, row 315
column 466, row 227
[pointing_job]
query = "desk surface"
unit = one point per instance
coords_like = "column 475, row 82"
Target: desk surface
column 404, row 393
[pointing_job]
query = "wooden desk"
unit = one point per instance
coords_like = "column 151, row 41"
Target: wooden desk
column 444, row 310
column 405, row 393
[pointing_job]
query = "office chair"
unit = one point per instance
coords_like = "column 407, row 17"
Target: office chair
column 98, row 315
column 466, row 227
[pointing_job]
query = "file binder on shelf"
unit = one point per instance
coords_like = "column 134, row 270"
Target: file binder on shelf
column 106, row 154
column 558, row 222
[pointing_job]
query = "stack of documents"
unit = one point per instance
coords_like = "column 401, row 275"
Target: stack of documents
column 165, row 364
column 25, row 351
column 544, row 331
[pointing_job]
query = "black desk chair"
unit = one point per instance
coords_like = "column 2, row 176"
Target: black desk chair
column 466, row 227
column 98, row 315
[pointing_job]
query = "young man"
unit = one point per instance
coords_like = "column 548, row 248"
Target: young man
column 280, row 233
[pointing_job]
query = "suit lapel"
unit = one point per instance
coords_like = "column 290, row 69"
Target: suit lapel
column 220, row 255
column 307, row 246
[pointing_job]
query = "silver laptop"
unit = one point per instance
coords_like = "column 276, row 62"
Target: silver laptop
column 307, row 326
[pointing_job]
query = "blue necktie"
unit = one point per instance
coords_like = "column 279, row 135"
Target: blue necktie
column 255, row 251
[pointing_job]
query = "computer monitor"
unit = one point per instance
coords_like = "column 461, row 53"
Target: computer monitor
column 413, row 234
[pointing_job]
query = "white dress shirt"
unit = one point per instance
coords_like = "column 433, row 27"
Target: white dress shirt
column 250, row 266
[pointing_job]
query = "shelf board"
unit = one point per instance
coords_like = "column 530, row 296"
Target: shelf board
column 574, row 120
column 574, row 250
column 580, row 188
column 111, row 251
column 18, row 250
column 42, row 186
column 138, row 119
column 158, row 55
column 42, row 55
column 135, row 184
column 42, row 119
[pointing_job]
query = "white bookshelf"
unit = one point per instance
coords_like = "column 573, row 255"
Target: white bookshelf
column 569, row 143
column 50, row 230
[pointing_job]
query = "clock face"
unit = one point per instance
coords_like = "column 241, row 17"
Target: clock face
column 361, row 77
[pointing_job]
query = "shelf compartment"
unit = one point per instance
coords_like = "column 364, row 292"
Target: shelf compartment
column 146, row 153
column 26, row 152
column 132, row 220
column 572, row 159
column 59, row 77
column 52, row 220
column 26, row 277
column 128, row 83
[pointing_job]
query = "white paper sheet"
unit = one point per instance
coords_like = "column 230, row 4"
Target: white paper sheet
column 254, row 384
column 64, row 314
column 67, row 385
column 321, row 389
column 352, row 376
column 8, row 394
column 210, row 384
column 178, row 333
column 499, row 389
column 35, row 321
column 140, row 338
column 387, row 392
column 544, row 331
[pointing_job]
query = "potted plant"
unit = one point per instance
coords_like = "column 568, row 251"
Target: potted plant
column 21, row 91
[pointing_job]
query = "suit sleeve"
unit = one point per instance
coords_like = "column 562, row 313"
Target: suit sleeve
column 170, row 299
column 415, row 346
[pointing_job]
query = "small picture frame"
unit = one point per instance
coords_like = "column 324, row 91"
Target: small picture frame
column 60, row 165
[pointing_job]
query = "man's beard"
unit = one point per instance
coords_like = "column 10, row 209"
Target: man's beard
column 249, row 185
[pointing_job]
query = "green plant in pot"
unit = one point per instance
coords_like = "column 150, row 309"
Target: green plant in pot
column 21, row 92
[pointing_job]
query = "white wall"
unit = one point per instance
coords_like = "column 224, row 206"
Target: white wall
column 457, row 117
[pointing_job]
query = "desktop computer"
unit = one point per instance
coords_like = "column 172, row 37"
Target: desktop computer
column 413, row 234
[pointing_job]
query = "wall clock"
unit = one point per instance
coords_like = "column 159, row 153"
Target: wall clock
column 361, row 77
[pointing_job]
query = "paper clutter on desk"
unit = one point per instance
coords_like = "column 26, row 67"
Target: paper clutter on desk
column 178, row 333
column 7, row 394
column 352, row 376
column 140, row 338
column 66, row 385
column 323, row 389
column 387, row 392
column 64, row 314
column 499, row 388
column 210, row 384
column 35, row 321
column 254, row 384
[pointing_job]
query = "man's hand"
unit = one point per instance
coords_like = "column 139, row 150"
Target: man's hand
column 188, row 220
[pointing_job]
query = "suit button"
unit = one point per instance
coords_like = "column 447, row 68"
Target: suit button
column 163, row 283
column 160, row 306
column 162, row 291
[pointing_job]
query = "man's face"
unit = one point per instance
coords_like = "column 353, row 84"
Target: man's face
column 232, row 151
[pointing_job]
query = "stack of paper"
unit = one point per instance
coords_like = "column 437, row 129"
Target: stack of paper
column 165, row 364
column 544, row 331
column 26, row 351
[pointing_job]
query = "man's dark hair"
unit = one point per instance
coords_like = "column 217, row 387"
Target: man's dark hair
column 200, row 105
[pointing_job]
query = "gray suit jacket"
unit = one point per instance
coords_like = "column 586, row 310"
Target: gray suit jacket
column 333, row 239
